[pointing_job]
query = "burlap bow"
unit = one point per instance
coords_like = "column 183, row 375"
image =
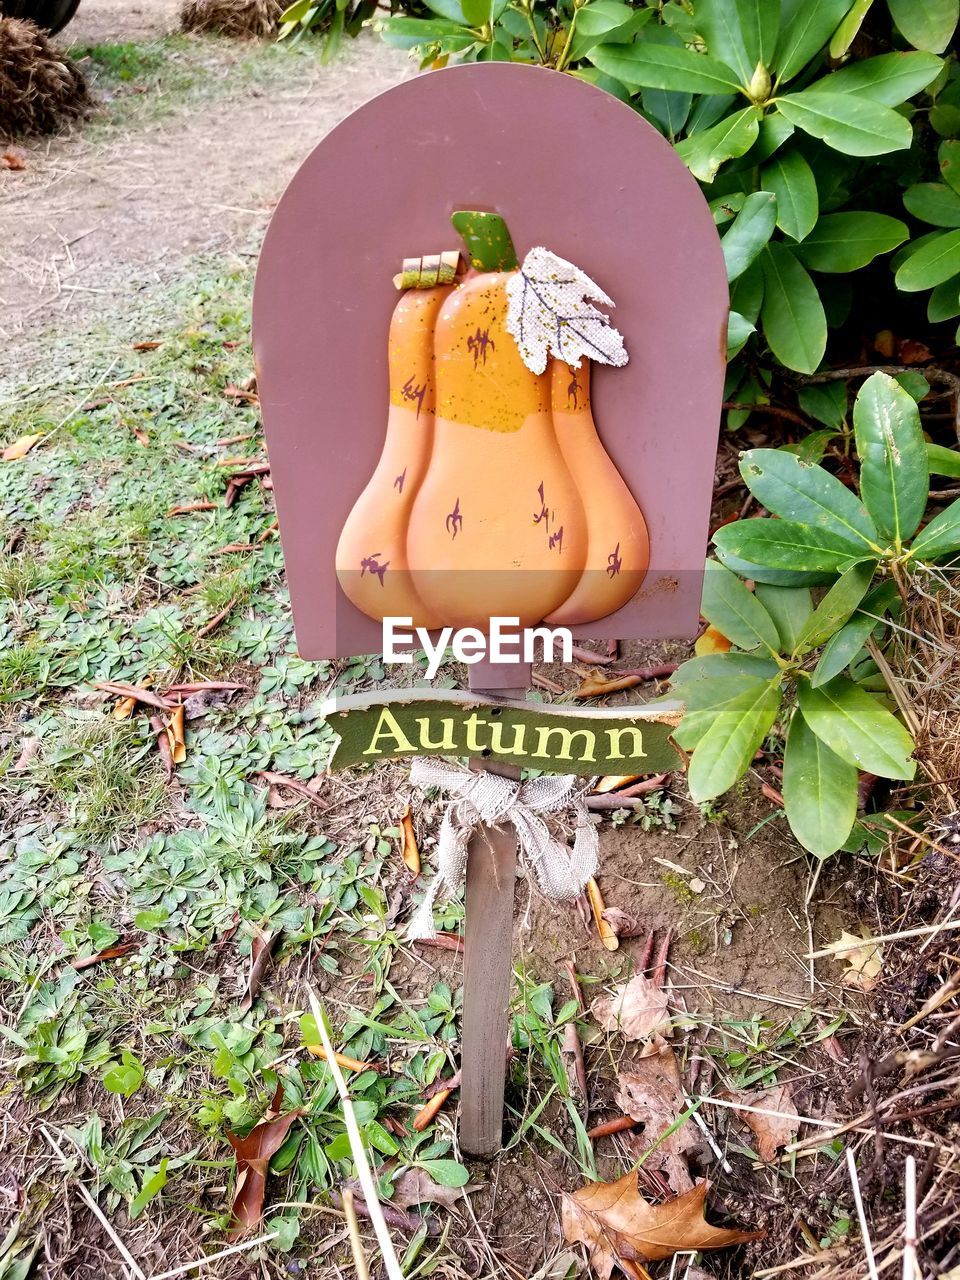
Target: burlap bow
column 486, row 798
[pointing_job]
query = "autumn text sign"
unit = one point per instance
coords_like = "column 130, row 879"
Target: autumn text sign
column 584, row 740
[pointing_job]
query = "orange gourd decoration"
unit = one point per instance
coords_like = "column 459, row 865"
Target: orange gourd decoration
column 508, row 504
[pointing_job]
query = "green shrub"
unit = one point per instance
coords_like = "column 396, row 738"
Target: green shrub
column 816, row 669
column 812, row 126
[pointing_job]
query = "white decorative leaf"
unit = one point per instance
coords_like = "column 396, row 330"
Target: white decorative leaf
column 548, row 314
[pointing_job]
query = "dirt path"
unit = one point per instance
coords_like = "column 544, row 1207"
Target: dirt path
column 112, row 207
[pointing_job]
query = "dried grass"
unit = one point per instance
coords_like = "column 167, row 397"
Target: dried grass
column 40, row 88
column 925, row 660
column 238, row 18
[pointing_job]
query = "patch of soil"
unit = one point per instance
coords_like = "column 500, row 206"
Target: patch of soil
column 94, row 218
column 120, row 21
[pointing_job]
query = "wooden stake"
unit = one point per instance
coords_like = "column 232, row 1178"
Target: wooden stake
column 488, row 930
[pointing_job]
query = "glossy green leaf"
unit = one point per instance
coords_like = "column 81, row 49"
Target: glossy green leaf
column 760, row 27
column 934, row 202
column 785, row 544
column 704, row 700
column 945, row 119
column 894, row 480
column 856, row 126
column 934, row 262
column 847, row 241
column 914, row 383
column 776, row 577
column 813, row 446
column 941, row 537
column 739, row 329
column 668, row 109
column 749, row 232
column 826, row 402
column 610, row 21
column 718, row 22
column 704, row 153
column 805, row 28
column 949, row 157
column 819, row 790
column 891, row 78
column 725, row 751
column 944, row 300
column 837, row 606
column 943, row 461
column 729, row 606
column 746, row 293
column 849, row 28
column 842, row 648
column 926, row 24
column 794, row 322
column 774, row 132
column 858, row 728
column 795, row 490
column 789, row 607
column 791, row 180
column 423, row 29
column 714, row 666
column 663, row 66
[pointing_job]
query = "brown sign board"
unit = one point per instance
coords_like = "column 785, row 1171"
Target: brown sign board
column 569, row 167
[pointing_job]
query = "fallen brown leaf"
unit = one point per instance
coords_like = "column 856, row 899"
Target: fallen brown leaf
column 637, row 1010
column 773, row 1132
column 415, row 1186
column 145, row 346
column 20, row 447
column 29, row 750
column 348, row 1063
column 712, row 641
column 608, row 935
column 141, row 694
column 142, row 438
column 623, row 925
column 261, row 949
column 188, row 507
column 238, row 393
column 651, row 1093
column 594, row 685
column 613, row 782
column 176, row 735
column 306, row 790
column 108, row 953
column 253, row 1159
column 619, row 1227
column 125, row 708
column 409, row 851
column 862, row 956
column 163, row 745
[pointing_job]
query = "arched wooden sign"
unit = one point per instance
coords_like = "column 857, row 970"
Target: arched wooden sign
column 457, row 481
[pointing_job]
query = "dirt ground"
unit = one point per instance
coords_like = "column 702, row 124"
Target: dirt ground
column 102, row 211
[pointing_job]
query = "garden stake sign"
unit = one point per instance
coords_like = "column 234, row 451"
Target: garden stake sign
column 490, row 326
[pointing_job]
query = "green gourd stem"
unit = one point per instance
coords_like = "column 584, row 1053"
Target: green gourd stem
column 487, row 239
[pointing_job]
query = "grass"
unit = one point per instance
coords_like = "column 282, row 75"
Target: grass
column 138, row 83
column 102, row 583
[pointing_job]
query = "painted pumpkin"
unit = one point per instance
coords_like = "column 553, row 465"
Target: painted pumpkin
column 494, row 494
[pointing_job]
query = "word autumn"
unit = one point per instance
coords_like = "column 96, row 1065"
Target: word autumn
column 488, row 735
column 506, row 642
